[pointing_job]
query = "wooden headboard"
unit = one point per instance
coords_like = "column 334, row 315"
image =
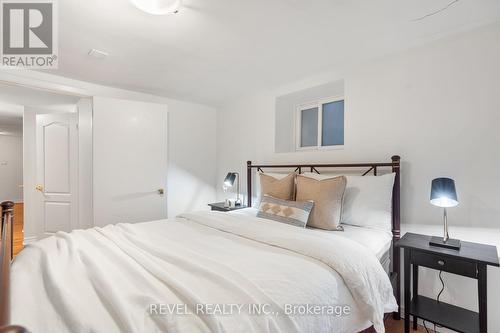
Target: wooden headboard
column 366, row 168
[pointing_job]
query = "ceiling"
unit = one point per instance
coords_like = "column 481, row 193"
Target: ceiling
column 216, row 51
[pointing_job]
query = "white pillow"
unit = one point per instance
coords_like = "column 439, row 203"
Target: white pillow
column 367, row 200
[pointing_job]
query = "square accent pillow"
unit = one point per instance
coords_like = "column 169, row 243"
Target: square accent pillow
column 280, row 188
column 367, row 200
column 285, row 211
column 327, row 195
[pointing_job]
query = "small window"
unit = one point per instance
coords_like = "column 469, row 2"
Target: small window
column 320, row 124
column 309, row 127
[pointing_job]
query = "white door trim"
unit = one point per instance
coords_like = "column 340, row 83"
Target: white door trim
column 55, row 84
column 29, row 81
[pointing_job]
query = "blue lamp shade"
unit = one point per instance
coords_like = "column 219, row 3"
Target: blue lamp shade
column 230, row 178
column 443, row 193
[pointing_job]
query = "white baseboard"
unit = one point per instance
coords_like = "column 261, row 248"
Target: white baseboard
column 29, row 240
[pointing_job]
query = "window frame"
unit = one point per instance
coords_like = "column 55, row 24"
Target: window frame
column 298, row 123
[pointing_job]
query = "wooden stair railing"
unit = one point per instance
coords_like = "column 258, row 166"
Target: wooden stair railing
column 6, row 255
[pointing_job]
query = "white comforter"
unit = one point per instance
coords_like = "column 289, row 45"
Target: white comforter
column 198, row 273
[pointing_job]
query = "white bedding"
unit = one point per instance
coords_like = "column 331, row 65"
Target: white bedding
column 105, row 279
column 377, row 241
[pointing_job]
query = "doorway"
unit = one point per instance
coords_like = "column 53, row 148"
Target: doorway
column 11, row 164
column 41, row 128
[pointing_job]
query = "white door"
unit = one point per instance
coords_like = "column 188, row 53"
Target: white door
column 56, row 172
column 130, row 161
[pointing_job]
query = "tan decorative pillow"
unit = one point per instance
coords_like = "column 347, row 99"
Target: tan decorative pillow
column 327, row 195
column 283, row 188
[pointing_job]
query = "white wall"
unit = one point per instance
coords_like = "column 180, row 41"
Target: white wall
column 85, row 163
column 31, row 229
column 437, row 106
column 11, row 167
column 192, row 157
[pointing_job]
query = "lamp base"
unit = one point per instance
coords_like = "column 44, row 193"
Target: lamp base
column 453, row 244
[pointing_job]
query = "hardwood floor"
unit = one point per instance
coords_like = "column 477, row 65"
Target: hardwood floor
column 18, row 227
column 397, row 326
column 392, row 326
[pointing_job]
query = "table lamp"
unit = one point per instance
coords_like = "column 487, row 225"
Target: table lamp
column 229, row 181
column 444, row 194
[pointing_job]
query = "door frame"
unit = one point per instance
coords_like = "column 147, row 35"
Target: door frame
column 18, row 78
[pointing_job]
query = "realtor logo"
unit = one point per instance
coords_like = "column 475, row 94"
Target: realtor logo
column 29, row 33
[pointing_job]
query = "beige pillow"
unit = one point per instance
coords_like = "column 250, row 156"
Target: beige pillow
column 283, row 188
column 327, row 195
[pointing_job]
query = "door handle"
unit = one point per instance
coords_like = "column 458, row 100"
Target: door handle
column 161, row 191
column 39, row 188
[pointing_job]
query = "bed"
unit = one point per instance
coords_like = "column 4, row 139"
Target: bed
column 207, row 271
column 378, row 242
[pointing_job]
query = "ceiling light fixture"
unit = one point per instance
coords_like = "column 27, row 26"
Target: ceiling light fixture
column 158, row 7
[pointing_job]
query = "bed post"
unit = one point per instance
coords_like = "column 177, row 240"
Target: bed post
column 7, row 208
column 396, row 230
column 5, row 259
column 249, row 183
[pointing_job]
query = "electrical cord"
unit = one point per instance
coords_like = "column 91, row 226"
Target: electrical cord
column 426, row 329
column 437, row 299
column 442, row 285
column 439, row 295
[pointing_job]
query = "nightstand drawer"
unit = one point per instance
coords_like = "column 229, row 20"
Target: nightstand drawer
column 444, row 263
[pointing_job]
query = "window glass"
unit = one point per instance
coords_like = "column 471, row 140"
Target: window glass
column 309, row 127
column 333, row 124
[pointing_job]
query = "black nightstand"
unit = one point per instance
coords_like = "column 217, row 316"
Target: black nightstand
column 219, row 206
column 470, row 261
